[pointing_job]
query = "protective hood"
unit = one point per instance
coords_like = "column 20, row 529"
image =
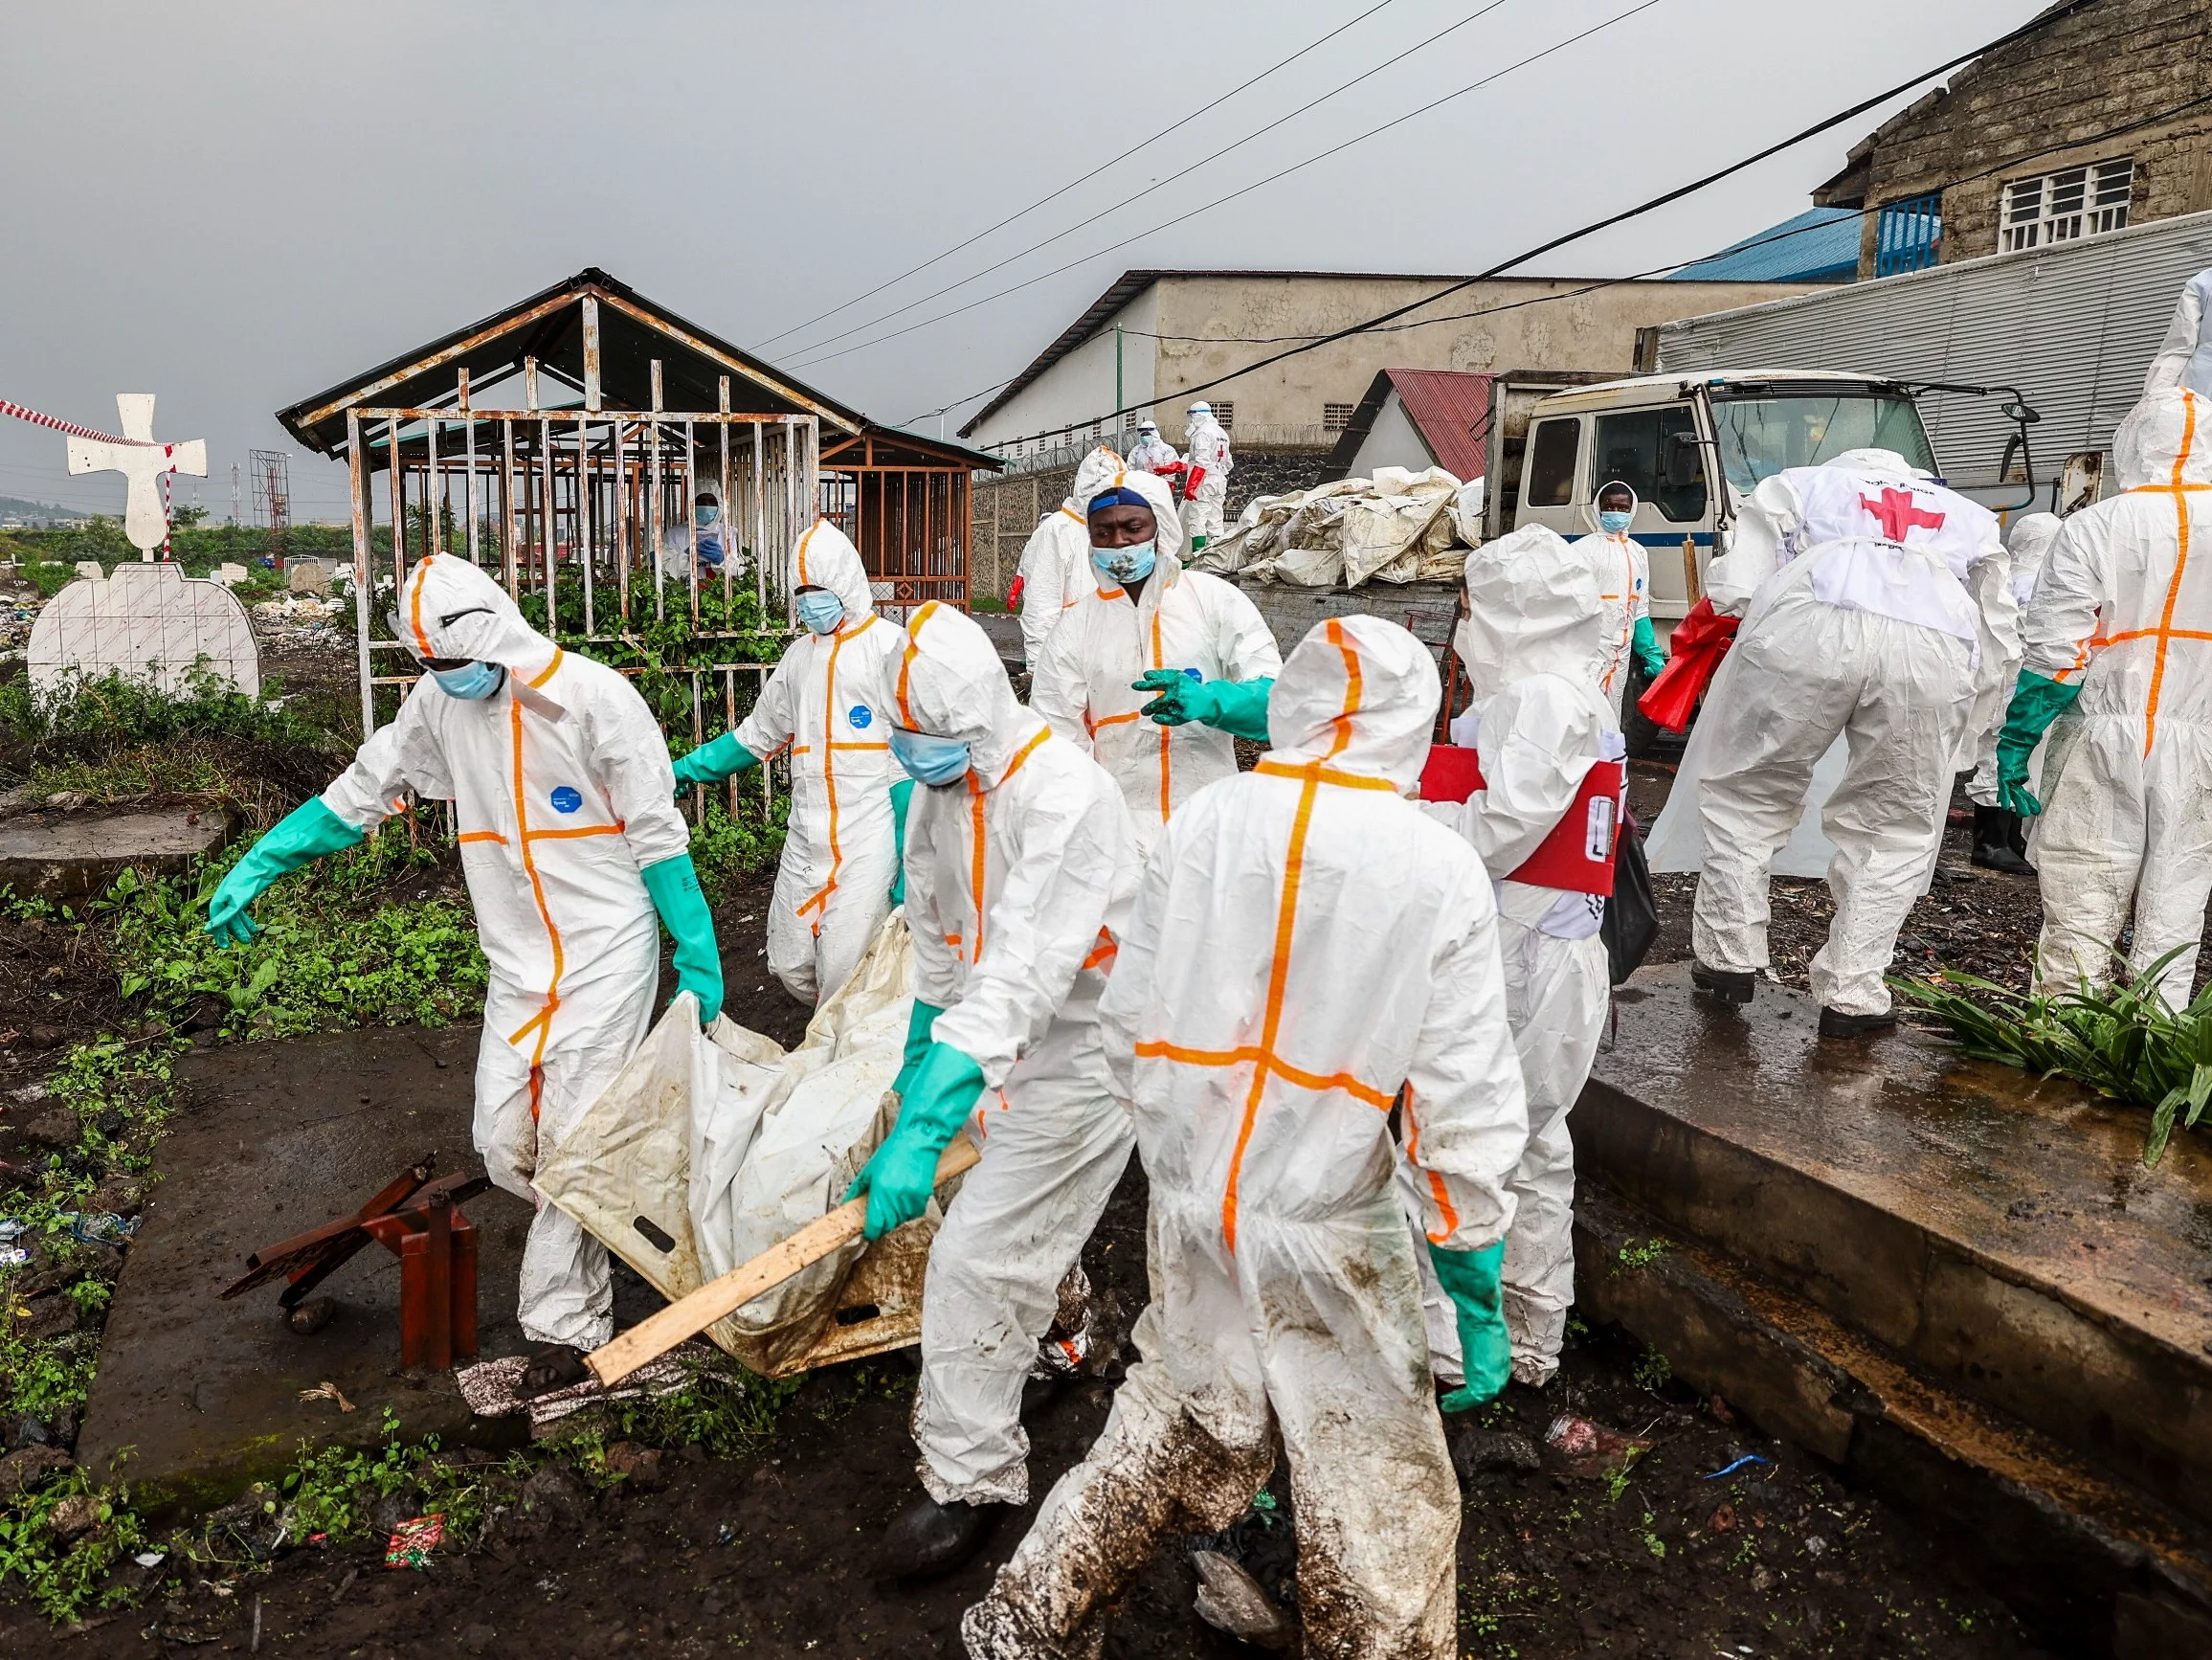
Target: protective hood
column 1359, row 694
column 1154, row 490
column 1590, row 509
column 2030, row 539
column 947, row 682
column 450, row 608
column 826, row 559
column 1205, row 423
column 2166, row 431
column 1877, row 464
column 1534, row 606
column 1093, row 474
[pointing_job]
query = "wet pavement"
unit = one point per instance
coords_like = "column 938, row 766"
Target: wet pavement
column 1999, row 1232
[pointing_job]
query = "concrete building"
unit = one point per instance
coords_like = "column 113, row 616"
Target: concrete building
column 2097, row 121
column 1154, row 334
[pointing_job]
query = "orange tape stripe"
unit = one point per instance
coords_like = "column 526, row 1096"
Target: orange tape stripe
column 2180, row 565
column 570, row 835
column 906, row 661
column 1445, row 1209
column 414, row 606
column 1352, row 690
column 1104, row 722
column 2158, row 633
column 482, row 836
column 976, row 871
column 1314, row 772
column 559, row 652
column 1254, row 1055
column 537, row 1091
column 1104, row 951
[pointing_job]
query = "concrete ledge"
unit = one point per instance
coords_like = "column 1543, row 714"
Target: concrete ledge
column 64, row 855
column 1999, row 1235
column 2098, row 1569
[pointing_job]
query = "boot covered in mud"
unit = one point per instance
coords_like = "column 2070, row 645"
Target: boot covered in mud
column 927, row 1539
column 1993, row 844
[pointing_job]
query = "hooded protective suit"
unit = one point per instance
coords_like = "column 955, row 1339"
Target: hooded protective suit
column 833, row 885
column 1206, row 452
column 561, row 788
column 2120, row 611
column 1623, row 569
column 1306, row 948
column 1018, row 878
column 1055, row 569
column 715, row 543
column 1872, row 598
column 1183, row 619
column 1151, row 452
column 1538, row 626
column 2028, row 544
column 2184, row 357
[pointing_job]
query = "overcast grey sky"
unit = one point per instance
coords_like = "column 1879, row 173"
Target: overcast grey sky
column 235, row 205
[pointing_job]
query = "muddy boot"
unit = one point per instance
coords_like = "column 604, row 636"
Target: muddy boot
column 1721, row 983
column 1993, row 848
column 555, row 1366
column 1835, row 1024
column 2017, row 835
column 928, row 1538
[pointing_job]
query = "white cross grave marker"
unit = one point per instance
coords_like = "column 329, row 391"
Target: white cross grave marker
column 142, row 460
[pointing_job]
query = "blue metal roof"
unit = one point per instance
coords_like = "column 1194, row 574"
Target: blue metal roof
column 1820, row 245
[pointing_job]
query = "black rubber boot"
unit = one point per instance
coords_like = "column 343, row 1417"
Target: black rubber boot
column 555, row 1366
column 928, row 1538
column 2017, row 834
column 1993, row 848
column 1835, row 1024
column 1728, row 987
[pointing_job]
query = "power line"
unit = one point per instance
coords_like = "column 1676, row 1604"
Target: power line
column 1114, row 160
column 1247, row 190
column 1157, row 184
column 1666, row 198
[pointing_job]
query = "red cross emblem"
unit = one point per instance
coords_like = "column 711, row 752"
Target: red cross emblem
column 1896, row 513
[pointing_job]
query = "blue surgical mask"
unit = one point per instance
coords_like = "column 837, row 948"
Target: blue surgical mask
column 821, row 610
column 705, row 516
column 1120, row 565
column 929, row 760
column 470, row 682
column 1613, row 524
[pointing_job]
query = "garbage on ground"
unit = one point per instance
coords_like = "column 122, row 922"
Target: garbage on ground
column 493, row 1388
column 100, row 1227
column 150, row 1559
column 1396, row 526
column 1578, row 1447
column 1732, row 1468
column 13, row 1229
column 1230, row 1600
column 413, row 1542
column 328, row 1391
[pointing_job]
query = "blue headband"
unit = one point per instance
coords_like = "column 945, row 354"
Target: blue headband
column 1120, row 496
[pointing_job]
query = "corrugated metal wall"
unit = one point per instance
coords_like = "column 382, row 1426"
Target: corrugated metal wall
column 2073, row 327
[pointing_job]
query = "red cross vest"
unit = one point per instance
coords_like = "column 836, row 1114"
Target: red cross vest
column 1577, row 855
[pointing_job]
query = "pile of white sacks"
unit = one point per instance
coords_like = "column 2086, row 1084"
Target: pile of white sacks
column 1396, row 526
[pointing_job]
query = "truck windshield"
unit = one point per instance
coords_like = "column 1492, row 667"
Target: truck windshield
column 1760, row 436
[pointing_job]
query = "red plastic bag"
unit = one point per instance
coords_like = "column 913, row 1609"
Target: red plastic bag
column 1452, row 773
column 1700, row 641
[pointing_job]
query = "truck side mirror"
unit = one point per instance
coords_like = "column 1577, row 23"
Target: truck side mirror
column 1682, row 467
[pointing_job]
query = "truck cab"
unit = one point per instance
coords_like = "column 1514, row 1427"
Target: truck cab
column 1693, row 448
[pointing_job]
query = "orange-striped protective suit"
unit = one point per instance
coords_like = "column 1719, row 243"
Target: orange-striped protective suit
column 1306, row 948
column 833, row 885
column 2124, row 608
column 562, row 791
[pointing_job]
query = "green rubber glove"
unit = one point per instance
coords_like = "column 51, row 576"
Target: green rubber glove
column 1645, row 645
column 902, row 793
column 1470, row 1279
column 715, row 760
column 903, row 1174
column 674, row 887
column 302, row 837
column 2036, row 703
column 1238, row 707
column 919, row 1024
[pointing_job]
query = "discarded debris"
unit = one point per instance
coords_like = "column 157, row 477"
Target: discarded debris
column 413, row 1542
column 1732, row 1468
column 1580, row 1448
column 326, row 1391
column 1230, row 1600
column 312, row 1316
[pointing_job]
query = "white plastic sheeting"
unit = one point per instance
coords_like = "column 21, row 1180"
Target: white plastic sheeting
column 1396, row 526
column 723, row 1144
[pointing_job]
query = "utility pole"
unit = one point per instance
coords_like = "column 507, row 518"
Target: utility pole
column 233, row 492
column 1119, row 400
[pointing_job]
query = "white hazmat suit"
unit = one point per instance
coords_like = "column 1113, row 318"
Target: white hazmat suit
column 1054, row 568
column 1624, row 567
column 562, row 791
column 1538, row 631
column 2028, row 544
column 1867, row 609
column 1182, row 619
column 2184, row 357
column 715, row 544
column 2127, row 792
column 1207, row 453
column 832, row 883
column 1151, row 452
column 1307, row 949
column 1018, row 878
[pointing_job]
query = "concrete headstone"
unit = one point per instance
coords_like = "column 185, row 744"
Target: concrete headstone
column 145, row 622
column 306, row 576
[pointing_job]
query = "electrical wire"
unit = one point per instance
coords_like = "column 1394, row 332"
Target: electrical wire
column 1242, row 191
column 1110, row 162
column 1666, row 198
column 1158, row 184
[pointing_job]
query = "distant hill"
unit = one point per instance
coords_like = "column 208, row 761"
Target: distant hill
column 37, row 512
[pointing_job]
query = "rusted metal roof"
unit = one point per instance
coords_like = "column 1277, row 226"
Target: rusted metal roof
column 1451, row 410
column 633, row 333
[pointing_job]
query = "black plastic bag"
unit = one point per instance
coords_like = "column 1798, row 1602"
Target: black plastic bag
column 1631, row 923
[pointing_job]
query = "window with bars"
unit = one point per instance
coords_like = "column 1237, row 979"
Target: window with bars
column 1226, row 414
column 2065, row 207
column 1909, row 234
column 1335, row 416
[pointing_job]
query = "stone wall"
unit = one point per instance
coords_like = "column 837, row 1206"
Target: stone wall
column 2111, row 66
